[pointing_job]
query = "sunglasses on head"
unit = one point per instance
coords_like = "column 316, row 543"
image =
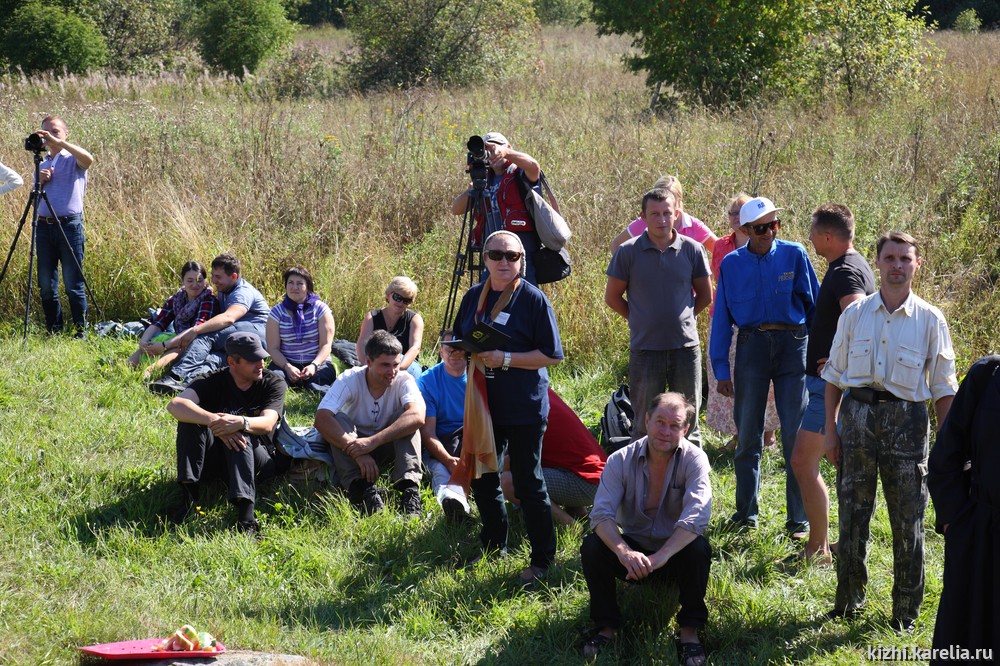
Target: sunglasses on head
column 401, row 299
column 761, row 229
column 509, row 255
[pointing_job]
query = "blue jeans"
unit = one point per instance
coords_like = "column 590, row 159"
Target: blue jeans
column 524, row 445
column 208, row 352
column 51, row 250
column 653, row 372
column 762, row 357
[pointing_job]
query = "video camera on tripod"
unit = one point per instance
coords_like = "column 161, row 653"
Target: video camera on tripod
column 477, row 166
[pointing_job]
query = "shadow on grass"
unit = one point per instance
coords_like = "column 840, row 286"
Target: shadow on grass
column 143, row 496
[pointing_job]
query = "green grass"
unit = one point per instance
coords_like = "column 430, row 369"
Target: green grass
column 357, row 189
column 87, row 463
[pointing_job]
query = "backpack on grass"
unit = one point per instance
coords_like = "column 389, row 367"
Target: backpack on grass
column 616, row 424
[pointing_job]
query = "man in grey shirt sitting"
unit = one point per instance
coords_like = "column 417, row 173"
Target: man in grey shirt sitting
column 649, row 520
column 243, row 308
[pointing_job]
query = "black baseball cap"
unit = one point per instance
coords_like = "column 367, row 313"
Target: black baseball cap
column 247, row 346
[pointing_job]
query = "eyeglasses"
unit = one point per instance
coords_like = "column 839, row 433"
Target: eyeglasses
column 509, row 255
column 451, row 351
column 761, row 229
column 401, row 299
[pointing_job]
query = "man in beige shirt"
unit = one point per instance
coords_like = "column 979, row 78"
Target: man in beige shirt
column 892, row 353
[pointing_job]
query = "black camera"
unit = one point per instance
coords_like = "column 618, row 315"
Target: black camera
column 34, row 142
column 478, row 169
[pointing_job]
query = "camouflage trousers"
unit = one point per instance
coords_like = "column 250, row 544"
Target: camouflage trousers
column 888, row 440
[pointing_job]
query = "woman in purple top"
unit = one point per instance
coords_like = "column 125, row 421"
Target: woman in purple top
column 190, row 305
column 689, row 225
column 299, row 334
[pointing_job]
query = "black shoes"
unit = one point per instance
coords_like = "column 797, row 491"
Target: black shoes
column 365, row 497
column 167, row 385
column 454, row 512
column 409, row 502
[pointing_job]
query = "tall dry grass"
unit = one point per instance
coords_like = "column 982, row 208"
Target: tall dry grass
column 358, row 188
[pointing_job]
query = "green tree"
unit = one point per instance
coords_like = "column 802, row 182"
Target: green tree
column 720, row 52
column 139, row 35
column 563, row 12
column 45, row 38
column 236, row 35
column 452, row 41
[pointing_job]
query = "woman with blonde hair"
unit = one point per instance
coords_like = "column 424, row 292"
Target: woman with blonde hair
column 689, row 225
column 396, row 317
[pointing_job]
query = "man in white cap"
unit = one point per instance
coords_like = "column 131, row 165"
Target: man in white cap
column 505, row 208
column 767, row 290
column 226, row 426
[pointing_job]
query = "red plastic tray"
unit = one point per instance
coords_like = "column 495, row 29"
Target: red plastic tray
column 143, row 649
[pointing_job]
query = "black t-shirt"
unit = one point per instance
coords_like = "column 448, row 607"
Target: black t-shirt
column 218, row 393
column 847, row 275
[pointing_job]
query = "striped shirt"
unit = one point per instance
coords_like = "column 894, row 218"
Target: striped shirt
column 300, row 351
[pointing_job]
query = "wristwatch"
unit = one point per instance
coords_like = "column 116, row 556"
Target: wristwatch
column 246, row 425
column 506, row 361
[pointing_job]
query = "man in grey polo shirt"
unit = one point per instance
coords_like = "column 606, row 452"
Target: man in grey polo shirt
column 659, row 282
column 243, row 309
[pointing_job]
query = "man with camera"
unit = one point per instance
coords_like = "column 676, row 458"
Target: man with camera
column 63, row 173
column 504, row 207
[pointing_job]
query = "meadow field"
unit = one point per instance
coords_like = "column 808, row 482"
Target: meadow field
column 357, row 188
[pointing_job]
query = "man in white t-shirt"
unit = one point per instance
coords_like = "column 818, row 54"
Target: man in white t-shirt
column 371, row 417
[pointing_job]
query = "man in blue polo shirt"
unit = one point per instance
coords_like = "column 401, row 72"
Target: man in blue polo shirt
column 443, row 389
column 767, row 290
column 243, row 309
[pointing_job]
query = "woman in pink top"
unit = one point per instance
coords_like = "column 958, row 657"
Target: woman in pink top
column 719, row 411
column 689, row 226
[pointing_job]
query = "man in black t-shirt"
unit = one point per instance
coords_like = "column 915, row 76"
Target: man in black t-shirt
column 848, row 278
column 226, row 426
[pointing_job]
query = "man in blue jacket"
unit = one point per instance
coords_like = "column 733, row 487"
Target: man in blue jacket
column 767, row 290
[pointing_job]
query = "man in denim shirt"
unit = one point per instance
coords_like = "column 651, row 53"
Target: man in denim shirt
column 767, row 290
column 63, row 173
column 649, row 520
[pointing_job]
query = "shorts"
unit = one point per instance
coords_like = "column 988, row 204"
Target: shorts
column 814, row 418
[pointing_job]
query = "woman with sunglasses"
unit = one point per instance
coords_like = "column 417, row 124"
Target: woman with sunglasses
column 299, row 334
column 404, row 324
column 719, row 412
column 517, row 396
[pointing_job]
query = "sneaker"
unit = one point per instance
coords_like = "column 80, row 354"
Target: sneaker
column 531, row 577
column 454, row 512
column 167, row 385
column 365, row 497
column 409, row 502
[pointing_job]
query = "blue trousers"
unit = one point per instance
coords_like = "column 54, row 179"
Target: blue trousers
column 52, row 249
column 763, row 357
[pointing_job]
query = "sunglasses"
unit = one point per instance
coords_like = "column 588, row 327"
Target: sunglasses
column 449, row 350
column 401, row 299
column 509, row 255
column 761, row 229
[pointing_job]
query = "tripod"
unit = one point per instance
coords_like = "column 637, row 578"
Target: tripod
column 466, row 256
column 38, row 194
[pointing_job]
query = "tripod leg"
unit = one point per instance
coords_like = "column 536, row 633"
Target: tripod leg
column 17, row 235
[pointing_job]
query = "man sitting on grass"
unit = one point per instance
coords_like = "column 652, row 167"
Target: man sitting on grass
column 226, row 425
column 370, row 416
column 649, row 520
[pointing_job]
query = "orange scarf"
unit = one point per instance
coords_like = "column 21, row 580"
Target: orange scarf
column 479, row 451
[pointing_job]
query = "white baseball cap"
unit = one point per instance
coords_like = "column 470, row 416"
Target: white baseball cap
column 755, row 209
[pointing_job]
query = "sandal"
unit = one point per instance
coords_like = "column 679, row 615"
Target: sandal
column 592, row 647
column 530, row 577
column 691, row 654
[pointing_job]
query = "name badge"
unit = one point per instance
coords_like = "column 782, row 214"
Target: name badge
column 517, row 223
column 502, row 318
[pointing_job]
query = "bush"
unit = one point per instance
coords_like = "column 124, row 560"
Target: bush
column 451, row 41
column 304, row 72
column 44, row 38
column 563, row 12
column 140, row 36
column 721, row 53
column 968, row 21
column 236, row 35
column 317, row 12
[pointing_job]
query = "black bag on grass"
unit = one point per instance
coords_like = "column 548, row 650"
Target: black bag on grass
column 616, row 424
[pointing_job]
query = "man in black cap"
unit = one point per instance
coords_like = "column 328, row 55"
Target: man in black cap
column 226, row 426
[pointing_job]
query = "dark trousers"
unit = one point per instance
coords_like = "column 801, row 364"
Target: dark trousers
column 888, row 440
column 688, row 569
column 200, row 457
column 523, row 443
